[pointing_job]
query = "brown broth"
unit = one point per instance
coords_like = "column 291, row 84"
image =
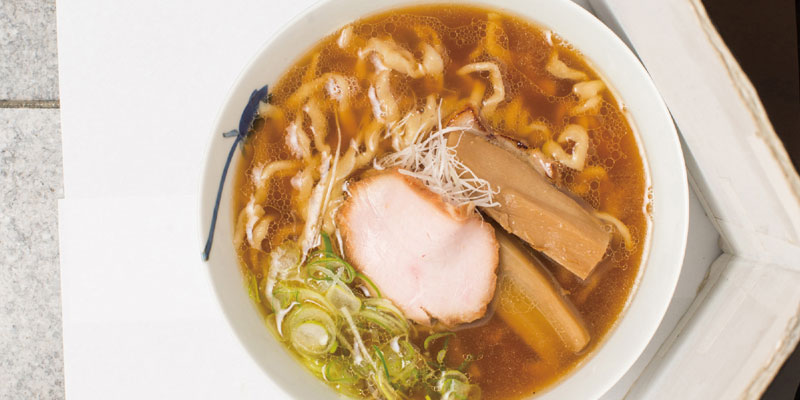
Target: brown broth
column 505, row 367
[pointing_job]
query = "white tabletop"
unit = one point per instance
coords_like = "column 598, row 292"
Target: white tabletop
column 141, row 84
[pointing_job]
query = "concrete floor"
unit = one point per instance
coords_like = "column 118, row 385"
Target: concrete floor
column 31, row 357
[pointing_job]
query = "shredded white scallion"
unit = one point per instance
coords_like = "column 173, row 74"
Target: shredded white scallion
column 430, row 160
column 358, row 344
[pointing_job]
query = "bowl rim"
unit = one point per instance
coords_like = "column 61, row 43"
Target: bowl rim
column 659, row 283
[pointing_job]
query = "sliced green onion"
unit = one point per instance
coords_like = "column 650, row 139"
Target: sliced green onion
column 358, row 346
column 385, row 388
column 334, row 347
column 383, row 313
column 337, row 371
column 382, row 360
column 346, row 333
column 442, row 353
column 252, row 286
column 326, row 243
column 440, row 356
column 341, row 296
column 455, row 385
column 324, row 267
column 428, row 340
column 311, row 330
column 311, row 337
column 388, row 322
column 402, row 361
column 287, row 292
column 468, row 359
column 371, row 287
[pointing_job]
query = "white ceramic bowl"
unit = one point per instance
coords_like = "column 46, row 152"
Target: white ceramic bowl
column 610, row 58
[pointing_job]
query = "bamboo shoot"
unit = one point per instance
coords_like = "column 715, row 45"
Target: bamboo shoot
column 536, row 285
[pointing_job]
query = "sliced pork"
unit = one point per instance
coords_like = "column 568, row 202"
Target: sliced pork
column 432, row 260
column 530, row 207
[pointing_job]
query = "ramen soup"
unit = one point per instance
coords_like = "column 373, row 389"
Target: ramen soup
column 441, row 202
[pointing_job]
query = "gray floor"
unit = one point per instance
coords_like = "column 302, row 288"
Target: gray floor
column 31, row 357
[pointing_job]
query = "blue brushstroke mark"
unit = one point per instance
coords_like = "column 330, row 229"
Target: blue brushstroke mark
column 245, row 124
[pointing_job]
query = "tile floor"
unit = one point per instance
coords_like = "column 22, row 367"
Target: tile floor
column 31, row 357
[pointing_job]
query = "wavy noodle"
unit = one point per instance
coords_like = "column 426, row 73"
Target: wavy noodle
column 433, row 52
column 620, row 227
column 577, row 159
column 347, row 163
column 557, row 68
column 307, row 90
column 587, row 89
column 345, row 167
column 581, row 185
column 262, row 174
column 254, row 214
column 297, row 139
column 392, row 56
column 384, row 105
column 494, row 31
column 360, row 70
column 588, row 93
column 319, row 125
column 321, row 194
column 315, row 203
column 492, row 43
column 432, row 62
column 427, row 34
column 240, row 232
column 341, row 89
column 414, row 124
column 499, row 92
column 253, row 211
column 345, row 37
column 311, row 71
column 284, row 232
column 513, row 115
column 260, row 229
column 329, row 216
column 387, row 54
column 275, row 113
column 303, row 182
column 370, row 138
column 537, row 132
column 476, row 96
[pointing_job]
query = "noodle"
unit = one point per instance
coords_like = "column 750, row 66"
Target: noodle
column 588, row 93
column 577, row 159
column 384, row 106
column 560, row 70
column 495, row 77
column 319, row 125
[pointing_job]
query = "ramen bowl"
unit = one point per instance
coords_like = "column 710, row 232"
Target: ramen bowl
column 609, row 57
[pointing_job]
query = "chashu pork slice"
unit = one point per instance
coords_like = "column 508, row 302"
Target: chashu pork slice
column 432, row 260
column 530, row 207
